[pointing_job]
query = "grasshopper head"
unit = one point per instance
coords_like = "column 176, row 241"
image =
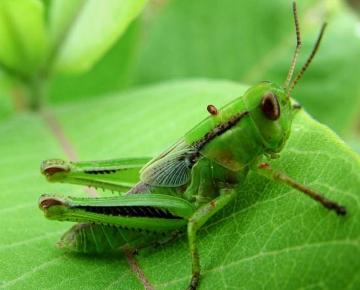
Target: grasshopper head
column 270, row 104
column 271, row 111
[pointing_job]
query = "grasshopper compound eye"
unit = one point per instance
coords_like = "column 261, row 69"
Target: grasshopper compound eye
column 270, row 106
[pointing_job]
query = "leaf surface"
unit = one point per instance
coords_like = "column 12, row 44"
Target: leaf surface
column 271, row 237
column 29, row 258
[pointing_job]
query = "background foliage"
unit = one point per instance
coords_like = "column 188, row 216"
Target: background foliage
column 83, row 79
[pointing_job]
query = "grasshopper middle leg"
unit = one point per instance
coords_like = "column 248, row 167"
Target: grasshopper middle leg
column 199, row 218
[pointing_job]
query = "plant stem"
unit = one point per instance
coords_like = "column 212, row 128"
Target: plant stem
column 37, row 92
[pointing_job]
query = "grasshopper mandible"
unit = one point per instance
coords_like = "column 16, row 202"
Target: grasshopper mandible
column 189, row 182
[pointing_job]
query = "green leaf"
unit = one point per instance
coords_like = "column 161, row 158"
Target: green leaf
column 251, row 41
column 271, row 237
column 82, row 31
column 61, row 16
column 22, row 34
column 111, row 73
column 29, row 258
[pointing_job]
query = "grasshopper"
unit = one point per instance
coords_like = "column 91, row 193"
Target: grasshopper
column 189, row 182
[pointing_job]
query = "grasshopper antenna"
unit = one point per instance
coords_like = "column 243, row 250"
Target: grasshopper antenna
column 308, row 61
column 297, row 49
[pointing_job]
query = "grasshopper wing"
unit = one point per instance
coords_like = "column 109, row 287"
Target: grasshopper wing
column 172, row 168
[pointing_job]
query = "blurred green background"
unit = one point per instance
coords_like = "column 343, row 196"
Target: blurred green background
column 91, row 79
column 60, row 50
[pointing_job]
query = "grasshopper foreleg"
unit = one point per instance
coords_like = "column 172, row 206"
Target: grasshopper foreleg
column 265, row 170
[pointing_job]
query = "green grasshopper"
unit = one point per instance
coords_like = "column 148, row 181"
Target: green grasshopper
column 188, row 183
